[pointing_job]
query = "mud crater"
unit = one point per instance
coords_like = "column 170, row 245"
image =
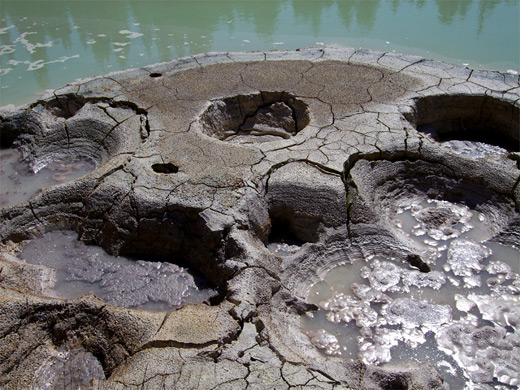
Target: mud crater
column 482, row 119
column 20, row 181
column 303, row 202
column 260, row 117
column 98, row 128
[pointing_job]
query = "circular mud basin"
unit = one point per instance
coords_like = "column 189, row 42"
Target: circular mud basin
column 421, row 206
column 21, row 180
column 481, row 119
column 253, row 118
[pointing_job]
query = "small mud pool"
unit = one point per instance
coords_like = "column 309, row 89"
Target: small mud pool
column 19, row 181
column 81, row 269
column 463, row 315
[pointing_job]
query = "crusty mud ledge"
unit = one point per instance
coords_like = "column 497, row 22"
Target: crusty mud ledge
column 205, row 160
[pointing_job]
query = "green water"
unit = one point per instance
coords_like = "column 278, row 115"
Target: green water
column 45, row 44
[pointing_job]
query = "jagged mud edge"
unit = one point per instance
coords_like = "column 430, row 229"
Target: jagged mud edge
column 193, row 62
column 388, row 60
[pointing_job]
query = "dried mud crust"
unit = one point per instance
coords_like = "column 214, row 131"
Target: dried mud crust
column 260, row 117
column 213, row 159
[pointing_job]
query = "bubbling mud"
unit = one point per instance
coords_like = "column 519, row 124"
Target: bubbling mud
column 463, row 316
column 82, row 269
column 282, row 248
column 20, row 181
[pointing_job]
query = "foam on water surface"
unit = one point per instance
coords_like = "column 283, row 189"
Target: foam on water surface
column 19, row 181
column 282, row 249
column 474, row 149
column 463, row 316
column 80, row 269
column 433, row 224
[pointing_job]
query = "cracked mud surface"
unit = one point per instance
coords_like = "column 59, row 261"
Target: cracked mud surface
column 260, row 171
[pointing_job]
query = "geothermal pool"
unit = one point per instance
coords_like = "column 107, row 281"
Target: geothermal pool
column 462, row 313
column 20, row 180
column 138, row 284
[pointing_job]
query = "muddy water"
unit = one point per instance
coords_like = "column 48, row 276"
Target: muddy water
column 463, row 316
column 80, row 269
column 19, row 181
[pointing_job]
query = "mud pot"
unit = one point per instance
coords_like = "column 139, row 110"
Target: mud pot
column 322, row 218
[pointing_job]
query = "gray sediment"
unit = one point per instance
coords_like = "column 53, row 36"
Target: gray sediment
column 260, row 172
